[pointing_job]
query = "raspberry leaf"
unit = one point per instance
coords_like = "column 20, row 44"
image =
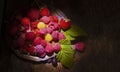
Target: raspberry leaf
column 76, row 31
column 65, row 42
column 68, row 36
column 66, row 56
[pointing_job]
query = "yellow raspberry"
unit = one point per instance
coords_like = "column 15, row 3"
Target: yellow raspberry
column 41, row 25
column 48, row 37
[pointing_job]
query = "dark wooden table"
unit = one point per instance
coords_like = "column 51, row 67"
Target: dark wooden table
column 101, row 20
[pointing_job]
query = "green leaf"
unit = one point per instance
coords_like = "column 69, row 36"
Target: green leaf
column 76, row 31
column 65, row 42
column 68, row 36
column 66, row 56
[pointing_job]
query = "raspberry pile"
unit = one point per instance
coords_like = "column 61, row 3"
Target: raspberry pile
column 38, row 32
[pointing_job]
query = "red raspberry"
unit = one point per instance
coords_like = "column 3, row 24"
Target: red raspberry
column 43, row 31
column 34, row 24
column 49, row 30
column 57, row 47
column 37, row 32
column 33, row 14
column 30, row 35
column 25, row 21
column 43, row 43
column 65, row 24
column 44, row 12
column 45, row 19
column 61, row 36
column 40, row 51
column 79, row 46
column 55, row 35
column 37, row 40
column 54, row 18
column 31, row 50
column 49, row 49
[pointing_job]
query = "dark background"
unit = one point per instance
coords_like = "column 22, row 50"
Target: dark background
column 99, row 18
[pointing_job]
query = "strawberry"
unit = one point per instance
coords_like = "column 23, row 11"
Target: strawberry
column 65, row 24
column 45, row 12
column 33, row 14
column 25, row 21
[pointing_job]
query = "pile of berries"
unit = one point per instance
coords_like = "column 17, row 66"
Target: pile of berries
column 38, row 32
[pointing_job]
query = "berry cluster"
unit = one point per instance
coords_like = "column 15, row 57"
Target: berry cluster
column 39, row 32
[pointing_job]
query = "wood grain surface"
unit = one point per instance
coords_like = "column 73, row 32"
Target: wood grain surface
column 99, row 18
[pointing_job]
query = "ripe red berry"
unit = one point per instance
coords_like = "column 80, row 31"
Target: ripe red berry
column 54, row 18
column 55, row 35
column 30, row 35
column 43, row 43
column 79, row 46
column 40, row 50
column 33, row 14
column 49, row 30
column 44, row 12
column 37, row 32
column 45, row 19
column 34, row 24
column 61, row 36
column 37, row 40
column 53, row 25
column 56, row 47
column 43, row 31
column 25, row 21
column 31, row 50
column 49, row 49
column 65, row 24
